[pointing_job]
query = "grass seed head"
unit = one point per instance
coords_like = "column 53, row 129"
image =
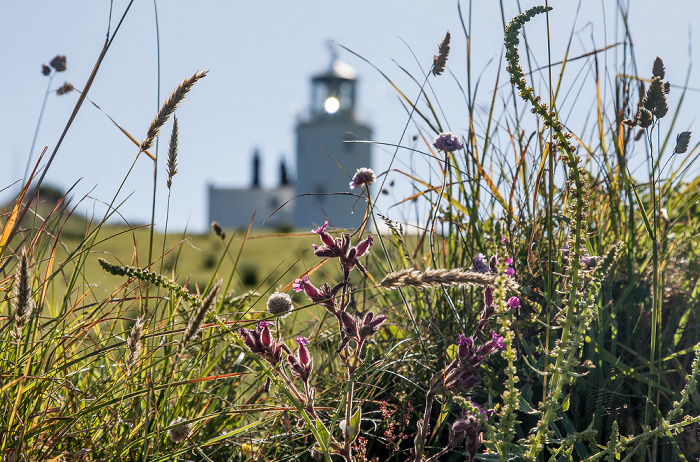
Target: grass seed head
column 24, row 304
column 133, row 343
column 169, row 107
column 440, row 60
column 172, row 153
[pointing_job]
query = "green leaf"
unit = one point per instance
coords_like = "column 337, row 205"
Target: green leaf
column 355, row 422
column 323, row 435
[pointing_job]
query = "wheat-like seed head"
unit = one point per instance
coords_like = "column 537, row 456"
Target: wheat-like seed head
column 133, row 343
column 24, row 305
column 196, row 321
column 172, row 153
column 442, row 277
column 169, row 107
column 440, row 60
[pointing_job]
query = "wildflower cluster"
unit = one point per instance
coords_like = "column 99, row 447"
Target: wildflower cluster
column 351, row 327
column 461, row 375
column 261, row 342
column 358, row 329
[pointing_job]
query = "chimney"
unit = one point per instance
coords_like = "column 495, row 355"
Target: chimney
column 256, row 168
column 284, row 181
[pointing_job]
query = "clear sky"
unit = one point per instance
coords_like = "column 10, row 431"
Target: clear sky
column 260, row 56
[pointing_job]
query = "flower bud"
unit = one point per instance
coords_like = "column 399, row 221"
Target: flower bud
column 364, row 246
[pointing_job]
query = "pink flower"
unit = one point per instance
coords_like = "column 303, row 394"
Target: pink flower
column 320, row 229
column 514, row 302
column 509, row 272
column 497, row 340
column 302, row 340
column 299, row 284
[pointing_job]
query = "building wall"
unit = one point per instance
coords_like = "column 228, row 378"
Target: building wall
column 321, row 153
column 233, row 208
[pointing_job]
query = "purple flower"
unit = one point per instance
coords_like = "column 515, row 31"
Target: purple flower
column 302, row 363
column 497, row 340
column 261, row 342
column 504, row 239
column 514, row 302
column 447, row 142
column 462, row 340
column 509, row 272
column 340, row 248
column 299, row 284
column 481, row 264
column 508, row 262
column 363, row 176
column 321, row 229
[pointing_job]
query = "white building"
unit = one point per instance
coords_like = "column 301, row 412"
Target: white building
column 325, row 164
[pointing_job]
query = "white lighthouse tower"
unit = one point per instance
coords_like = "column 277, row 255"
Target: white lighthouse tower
column 326, row 162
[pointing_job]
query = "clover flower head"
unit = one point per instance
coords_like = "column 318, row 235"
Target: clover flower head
column 302, row 340
column 509, row 261
column 447, row 142
column 509, row 272
column 279, row 304
column 299, row 284
column 514, row 302
column 263, row 324
column 320, row 229
column 363, row 176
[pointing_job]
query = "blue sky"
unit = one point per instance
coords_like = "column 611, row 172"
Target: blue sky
column 260, row 57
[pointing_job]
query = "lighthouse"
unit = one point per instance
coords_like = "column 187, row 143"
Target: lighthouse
column 329, row 150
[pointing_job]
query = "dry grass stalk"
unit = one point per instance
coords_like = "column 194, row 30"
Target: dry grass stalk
column 196, row 321
column 169, row 107
column 24, row 305
column 442, row 277
column 172, row 153
column 440, row 60
column 133, row 343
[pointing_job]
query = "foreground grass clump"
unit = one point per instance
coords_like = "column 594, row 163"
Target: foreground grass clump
column 546, row 311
